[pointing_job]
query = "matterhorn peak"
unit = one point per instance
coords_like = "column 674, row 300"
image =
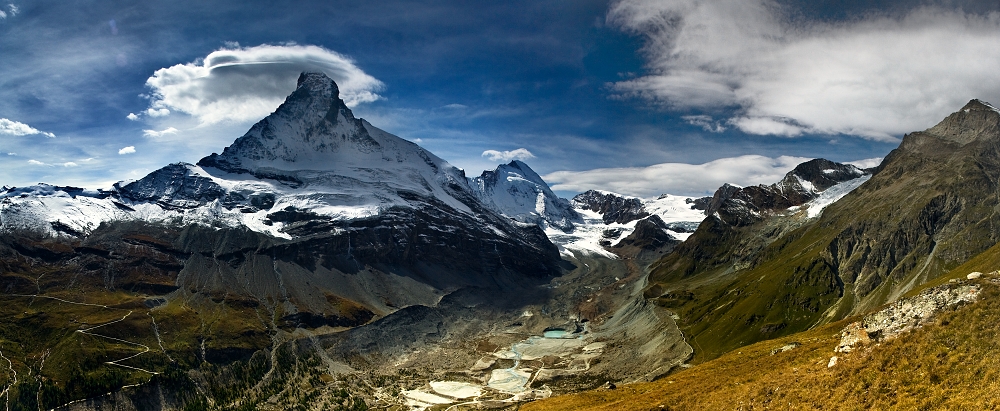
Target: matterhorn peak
column 312, row 130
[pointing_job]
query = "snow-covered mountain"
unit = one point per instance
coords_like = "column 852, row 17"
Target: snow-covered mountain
column 515, row 190
column 608, row 218
column 341, row 206
column 807, row 186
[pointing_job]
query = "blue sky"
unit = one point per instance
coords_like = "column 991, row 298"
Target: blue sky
column 636, row 96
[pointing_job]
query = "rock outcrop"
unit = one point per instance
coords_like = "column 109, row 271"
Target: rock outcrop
column 905, row 315
column 613, row 207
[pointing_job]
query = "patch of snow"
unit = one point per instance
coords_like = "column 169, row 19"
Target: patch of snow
column 815, row 207
column 987, row 105
column 422, row 400
column 587, row 235
column 457, row 390
column 806, row 184
column 508, row 380
column 673, row 209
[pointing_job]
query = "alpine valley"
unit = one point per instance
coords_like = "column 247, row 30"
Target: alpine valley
column 320, row 263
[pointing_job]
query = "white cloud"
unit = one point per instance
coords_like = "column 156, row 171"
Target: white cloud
column 155, row 134
column 706, row 122
column 14, row 128
column 244, row 84
column 13, row 9
column 677, row 178
column 132, row 116
column 11, row 154
column 154, row 112
column 507, row 156
column 69, row 164
column 867, row 163
column 36, row 163
column 875, row 77
column 127, row 150
column 3, row 15
column 767, row 125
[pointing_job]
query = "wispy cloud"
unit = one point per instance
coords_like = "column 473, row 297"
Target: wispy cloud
column 161, row 133
column 506, row 156
column 706, row 122
column 36, row 163
column 126, row 150
column 248, row 83
column 677, row 178
column 867, row 163
column 14, row 128
column 875, row 77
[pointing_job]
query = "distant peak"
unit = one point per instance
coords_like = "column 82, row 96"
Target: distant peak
column 977, row 120
column 978, row 105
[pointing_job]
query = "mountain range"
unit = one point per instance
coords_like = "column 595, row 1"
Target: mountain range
column 320, row 262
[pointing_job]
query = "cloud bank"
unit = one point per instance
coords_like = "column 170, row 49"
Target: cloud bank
column 677, row 178
column 244, row 84
column 876, row 77
column 507, row 156
column 14, row 128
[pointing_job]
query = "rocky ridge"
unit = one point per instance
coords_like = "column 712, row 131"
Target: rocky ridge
column 612, row 207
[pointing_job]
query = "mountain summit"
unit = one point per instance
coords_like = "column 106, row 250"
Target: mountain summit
column 515, row 190
column 314, row 130
column 975, row 120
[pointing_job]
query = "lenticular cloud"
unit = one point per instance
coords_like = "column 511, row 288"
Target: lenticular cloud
column 244, row 84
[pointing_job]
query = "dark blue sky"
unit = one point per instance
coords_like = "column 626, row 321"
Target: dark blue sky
column 581, row 85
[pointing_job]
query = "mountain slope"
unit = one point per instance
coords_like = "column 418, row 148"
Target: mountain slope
column 312, row 222
column 929, row 207
column 948, row 364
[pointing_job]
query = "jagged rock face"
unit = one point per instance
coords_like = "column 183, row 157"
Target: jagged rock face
column 650, row 234
column 613, row 207
column 516, row 191
column 174, row 186
column 649, row 241
column 744, row 206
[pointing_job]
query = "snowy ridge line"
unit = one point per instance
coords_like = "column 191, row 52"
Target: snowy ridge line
column 588, row 235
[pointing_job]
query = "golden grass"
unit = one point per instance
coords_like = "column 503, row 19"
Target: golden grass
column 953, row 363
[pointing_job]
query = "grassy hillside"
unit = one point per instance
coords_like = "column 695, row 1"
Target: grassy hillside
column 931, row 207
column 953, row 363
